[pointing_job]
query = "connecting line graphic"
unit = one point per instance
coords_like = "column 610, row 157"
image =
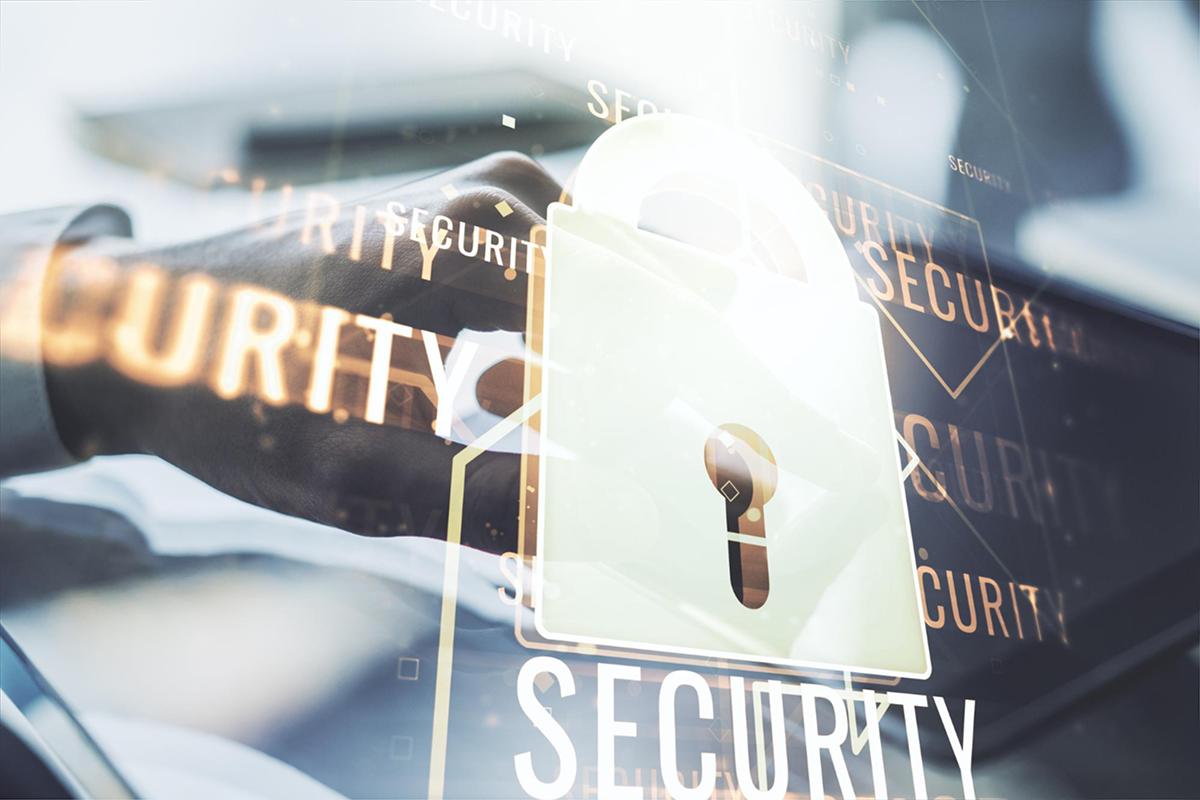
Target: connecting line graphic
column 857, row 740
column 1006, row 111
column 1029, row 195
column 936, row 459
column 954, row 393
column 1001, row 108
column 1012, row 382
column 445, row 661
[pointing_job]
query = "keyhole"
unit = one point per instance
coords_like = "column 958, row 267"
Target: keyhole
column 742, row 468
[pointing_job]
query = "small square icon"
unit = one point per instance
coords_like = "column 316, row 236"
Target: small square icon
column 535, row 90
column 408, row 669
column 450, row 191
column 879, row 99
column 401, row 749
column 507, row 121
column 849, row 86
column 504, row 208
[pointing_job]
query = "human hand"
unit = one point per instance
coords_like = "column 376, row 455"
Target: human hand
column 253, row 422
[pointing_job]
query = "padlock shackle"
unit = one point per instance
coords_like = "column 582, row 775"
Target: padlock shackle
column 621, row 168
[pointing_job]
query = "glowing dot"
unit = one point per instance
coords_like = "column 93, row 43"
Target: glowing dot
column 266, row 442
column 504, row 208
column 924, row 554
column 754, row 515
column 303, row 338
column 507, row 121
column 341, row 415
column 510, row 274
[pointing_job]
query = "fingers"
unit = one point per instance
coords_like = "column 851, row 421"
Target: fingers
column 373, row 480
column 448, row 252
column 475, row 245
column 395, row 482
column 491, row 288
column 518, row 174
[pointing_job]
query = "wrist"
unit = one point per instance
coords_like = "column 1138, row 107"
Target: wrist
column 94, row 407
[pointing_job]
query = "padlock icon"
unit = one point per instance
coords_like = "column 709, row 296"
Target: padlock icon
column 720, row 476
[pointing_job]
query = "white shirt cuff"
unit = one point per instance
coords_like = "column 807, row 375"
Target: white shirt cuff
column 29, row 442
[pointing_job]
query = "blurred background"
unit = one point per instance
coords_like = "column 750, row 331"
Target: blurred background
column 216, row 649
column 1087, row 111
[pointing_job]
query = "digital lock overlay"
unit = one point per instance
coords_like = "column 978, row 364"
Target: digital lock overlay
column 528, row 419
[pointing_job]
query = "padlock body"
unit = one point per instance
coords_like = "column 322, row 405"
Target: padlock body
column 650, row 344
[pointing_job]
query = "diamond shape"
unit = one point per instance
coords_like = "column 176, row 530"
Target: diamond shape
column 718, row 729
column 726, row 488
